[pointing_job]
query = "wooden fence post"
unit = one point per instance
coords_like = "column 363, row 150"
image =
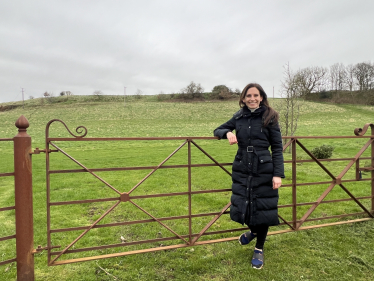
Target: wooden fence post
column 23, row 201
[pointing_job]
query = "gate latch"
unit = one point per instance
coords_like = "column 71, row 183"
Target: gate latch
column 40, row 248
column 37, row 151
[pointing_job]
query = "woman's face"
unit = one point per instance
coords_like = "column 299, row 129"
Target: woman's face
column 252, row 98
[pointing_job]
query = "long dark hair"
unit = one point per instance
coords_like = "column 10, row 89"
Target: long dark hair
column 270, row 114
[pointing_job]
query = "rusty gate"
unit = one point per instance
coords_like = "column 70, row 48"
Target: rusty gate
column 190, row 237
column 7, row 208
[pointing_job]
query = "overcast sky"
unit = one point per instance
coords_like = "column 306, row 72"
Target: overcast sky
column 162, row 45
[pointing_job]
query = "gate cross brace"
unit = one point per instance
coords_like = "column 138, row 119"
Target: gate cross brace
column 336, row 181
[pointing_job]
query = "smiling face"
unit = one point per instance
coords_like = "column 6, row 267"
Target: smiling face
column 252, row 98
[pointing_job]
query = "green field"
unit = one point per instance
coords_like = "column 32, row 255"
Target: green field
column 331, row 253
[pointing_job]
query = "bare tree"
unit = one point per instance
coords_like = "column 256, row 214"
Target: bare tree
column 66, row 93
column 364, row 73
column 350, row 77
column 342, row 76
column 311, row 79
column 289, row 110
column 193, row 90
column 237, row 92
column 337, row 76
column 98, row 93
column 138, row 94
column 333, row 75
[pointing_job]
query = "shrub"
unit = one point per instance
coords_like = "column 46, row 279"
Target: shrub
column 325, row 95
column 323, row 151
column 223, row 92
column 51, row 99
column 8, row 107
column 218, row 89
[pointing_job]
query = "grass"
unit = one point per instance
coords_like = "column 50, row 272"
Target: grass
column 331, row 253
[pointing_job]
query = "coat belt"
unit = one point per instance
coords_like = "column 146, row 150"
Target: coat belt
column 251, row 150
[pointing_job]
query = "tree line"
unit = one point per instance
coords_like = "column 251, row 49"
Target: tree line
column 310, row 83
column 337, row 77
column 338, row 83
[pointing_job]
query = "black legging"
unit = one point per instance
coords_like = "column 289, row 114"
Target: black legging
column 261, row 233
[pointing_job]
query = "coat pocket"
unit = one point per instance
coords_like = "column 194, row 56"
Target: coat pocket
column 265, row 164
column 265, row 159
column 238, row 164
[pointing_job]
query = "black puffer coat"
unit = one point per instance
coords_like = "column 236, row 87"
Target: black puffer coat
column 253, row 200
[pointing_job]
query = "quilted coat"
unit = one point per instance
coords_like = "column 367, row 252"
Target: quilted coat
column 253, row 200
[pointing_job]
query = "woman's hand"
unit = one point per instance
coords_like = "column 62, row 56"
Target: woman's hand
column 232, row 138
column 277, row 182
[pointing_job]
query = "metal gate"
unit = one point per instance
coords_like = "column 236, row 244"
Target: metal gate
column 190, row 237
column 292, row 216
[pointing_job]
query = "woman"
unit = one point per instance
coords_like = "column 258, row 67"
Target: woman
column 256, row 173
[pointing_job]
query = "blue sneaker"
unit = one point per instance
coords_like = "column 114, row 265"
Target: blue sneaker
column 246, row 237
column 258, row 259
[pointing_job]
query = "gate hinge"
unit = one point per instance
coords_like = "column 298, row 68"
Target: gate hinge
column 40, row 248
column 37, row 151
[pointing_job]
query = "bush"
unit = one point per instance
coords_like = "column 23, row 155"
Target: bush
column 218, row 89
column 225, row 95
column 223, row 92
column 325, row 95
column 323, row 151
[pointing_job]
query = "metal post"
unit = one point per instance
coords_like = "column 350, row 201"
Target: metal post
column 358, row 173
column 294, row 196
column 23, row 201
column 372, row 172
column 189, row 193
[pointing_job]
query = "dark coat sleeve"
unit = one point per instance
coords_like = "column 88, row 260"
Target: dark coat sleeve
column 275, row 139
column 222, row 130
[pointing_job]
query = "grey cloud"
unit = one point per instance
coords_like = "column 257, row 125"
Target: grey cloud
column 156, row 46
